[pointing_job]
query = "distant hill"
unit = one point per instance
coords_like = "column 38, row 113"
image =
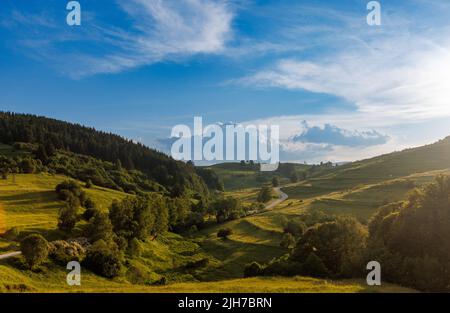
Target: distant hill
column 241, row 175
column 359, row 188
column 427, row 158
column 50, row 134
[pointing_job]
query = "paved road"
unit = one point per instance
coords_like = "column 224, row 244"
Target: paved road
column 274, row 203
column 9, row 255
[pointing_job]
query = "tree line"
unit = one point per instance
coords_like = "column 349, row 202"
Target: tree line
column 51, row 134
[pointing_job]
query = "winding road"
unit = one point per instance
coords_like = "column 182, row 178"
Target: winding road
column 274, row 203
column 9, row 255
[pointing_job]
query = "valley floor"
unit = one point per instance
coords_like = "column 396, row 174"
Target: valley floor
column 29, row 202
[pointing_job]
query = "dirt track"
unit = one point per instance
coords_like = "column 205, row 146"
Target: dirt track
column 9, row 255
column 281, row 198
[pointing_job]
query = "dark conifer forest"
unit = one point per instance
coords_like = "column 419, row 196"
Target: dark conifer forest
column 50, row 134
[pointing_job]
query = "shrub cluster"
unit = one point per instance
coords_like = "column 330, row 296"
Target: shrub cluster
column 64, row 252
column 334, row 249
column 411, row 239
column 104, row 258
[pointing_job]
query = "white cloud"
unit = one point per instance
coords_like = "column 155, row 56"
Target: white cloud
column 400, row 83
column 158, row 31
column 187, row 26
column 398, row 71
column 396, row 137
column 335, row 135
column 165, row 30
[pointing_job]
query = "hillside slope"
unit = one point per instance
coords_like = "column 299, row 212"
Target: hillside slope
column 238, row 176
column 433, row 157
column 30, row 203
column 12, row 280
column 51, row 134
column 356, row 189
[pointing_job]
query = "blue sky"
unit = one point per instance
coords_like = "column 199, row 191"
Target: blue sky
column 338, row 88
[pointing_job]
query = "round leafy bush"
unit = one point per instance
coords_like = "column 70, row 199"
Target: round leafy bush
column 103, row 258
column 63, row 252
column 34, row 249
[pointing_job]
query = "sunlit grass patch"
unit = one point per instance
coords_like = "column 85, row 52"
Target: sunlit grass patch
column 28, row 201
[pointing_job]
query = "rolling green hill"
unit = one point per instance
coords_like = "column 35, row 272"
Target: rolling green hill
column 238, row 176
column 359, row 188
column 423, row 159
column 44, row 136
column 355, row 189
column 29, row 202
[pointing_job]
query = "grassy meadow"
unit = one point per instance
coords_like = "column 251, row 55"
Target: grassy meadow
column 53, row 280
column 28, row 201
column 238, row 177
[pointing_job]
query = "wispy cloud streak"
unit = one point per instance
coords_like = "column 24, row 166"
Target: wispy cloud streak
column 158, row 31
column 399, row 71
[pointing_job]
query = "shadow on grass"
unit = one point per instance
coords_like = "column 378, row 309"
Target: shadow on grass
column 234, row 256
column 14, row 246
column 29, row 198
